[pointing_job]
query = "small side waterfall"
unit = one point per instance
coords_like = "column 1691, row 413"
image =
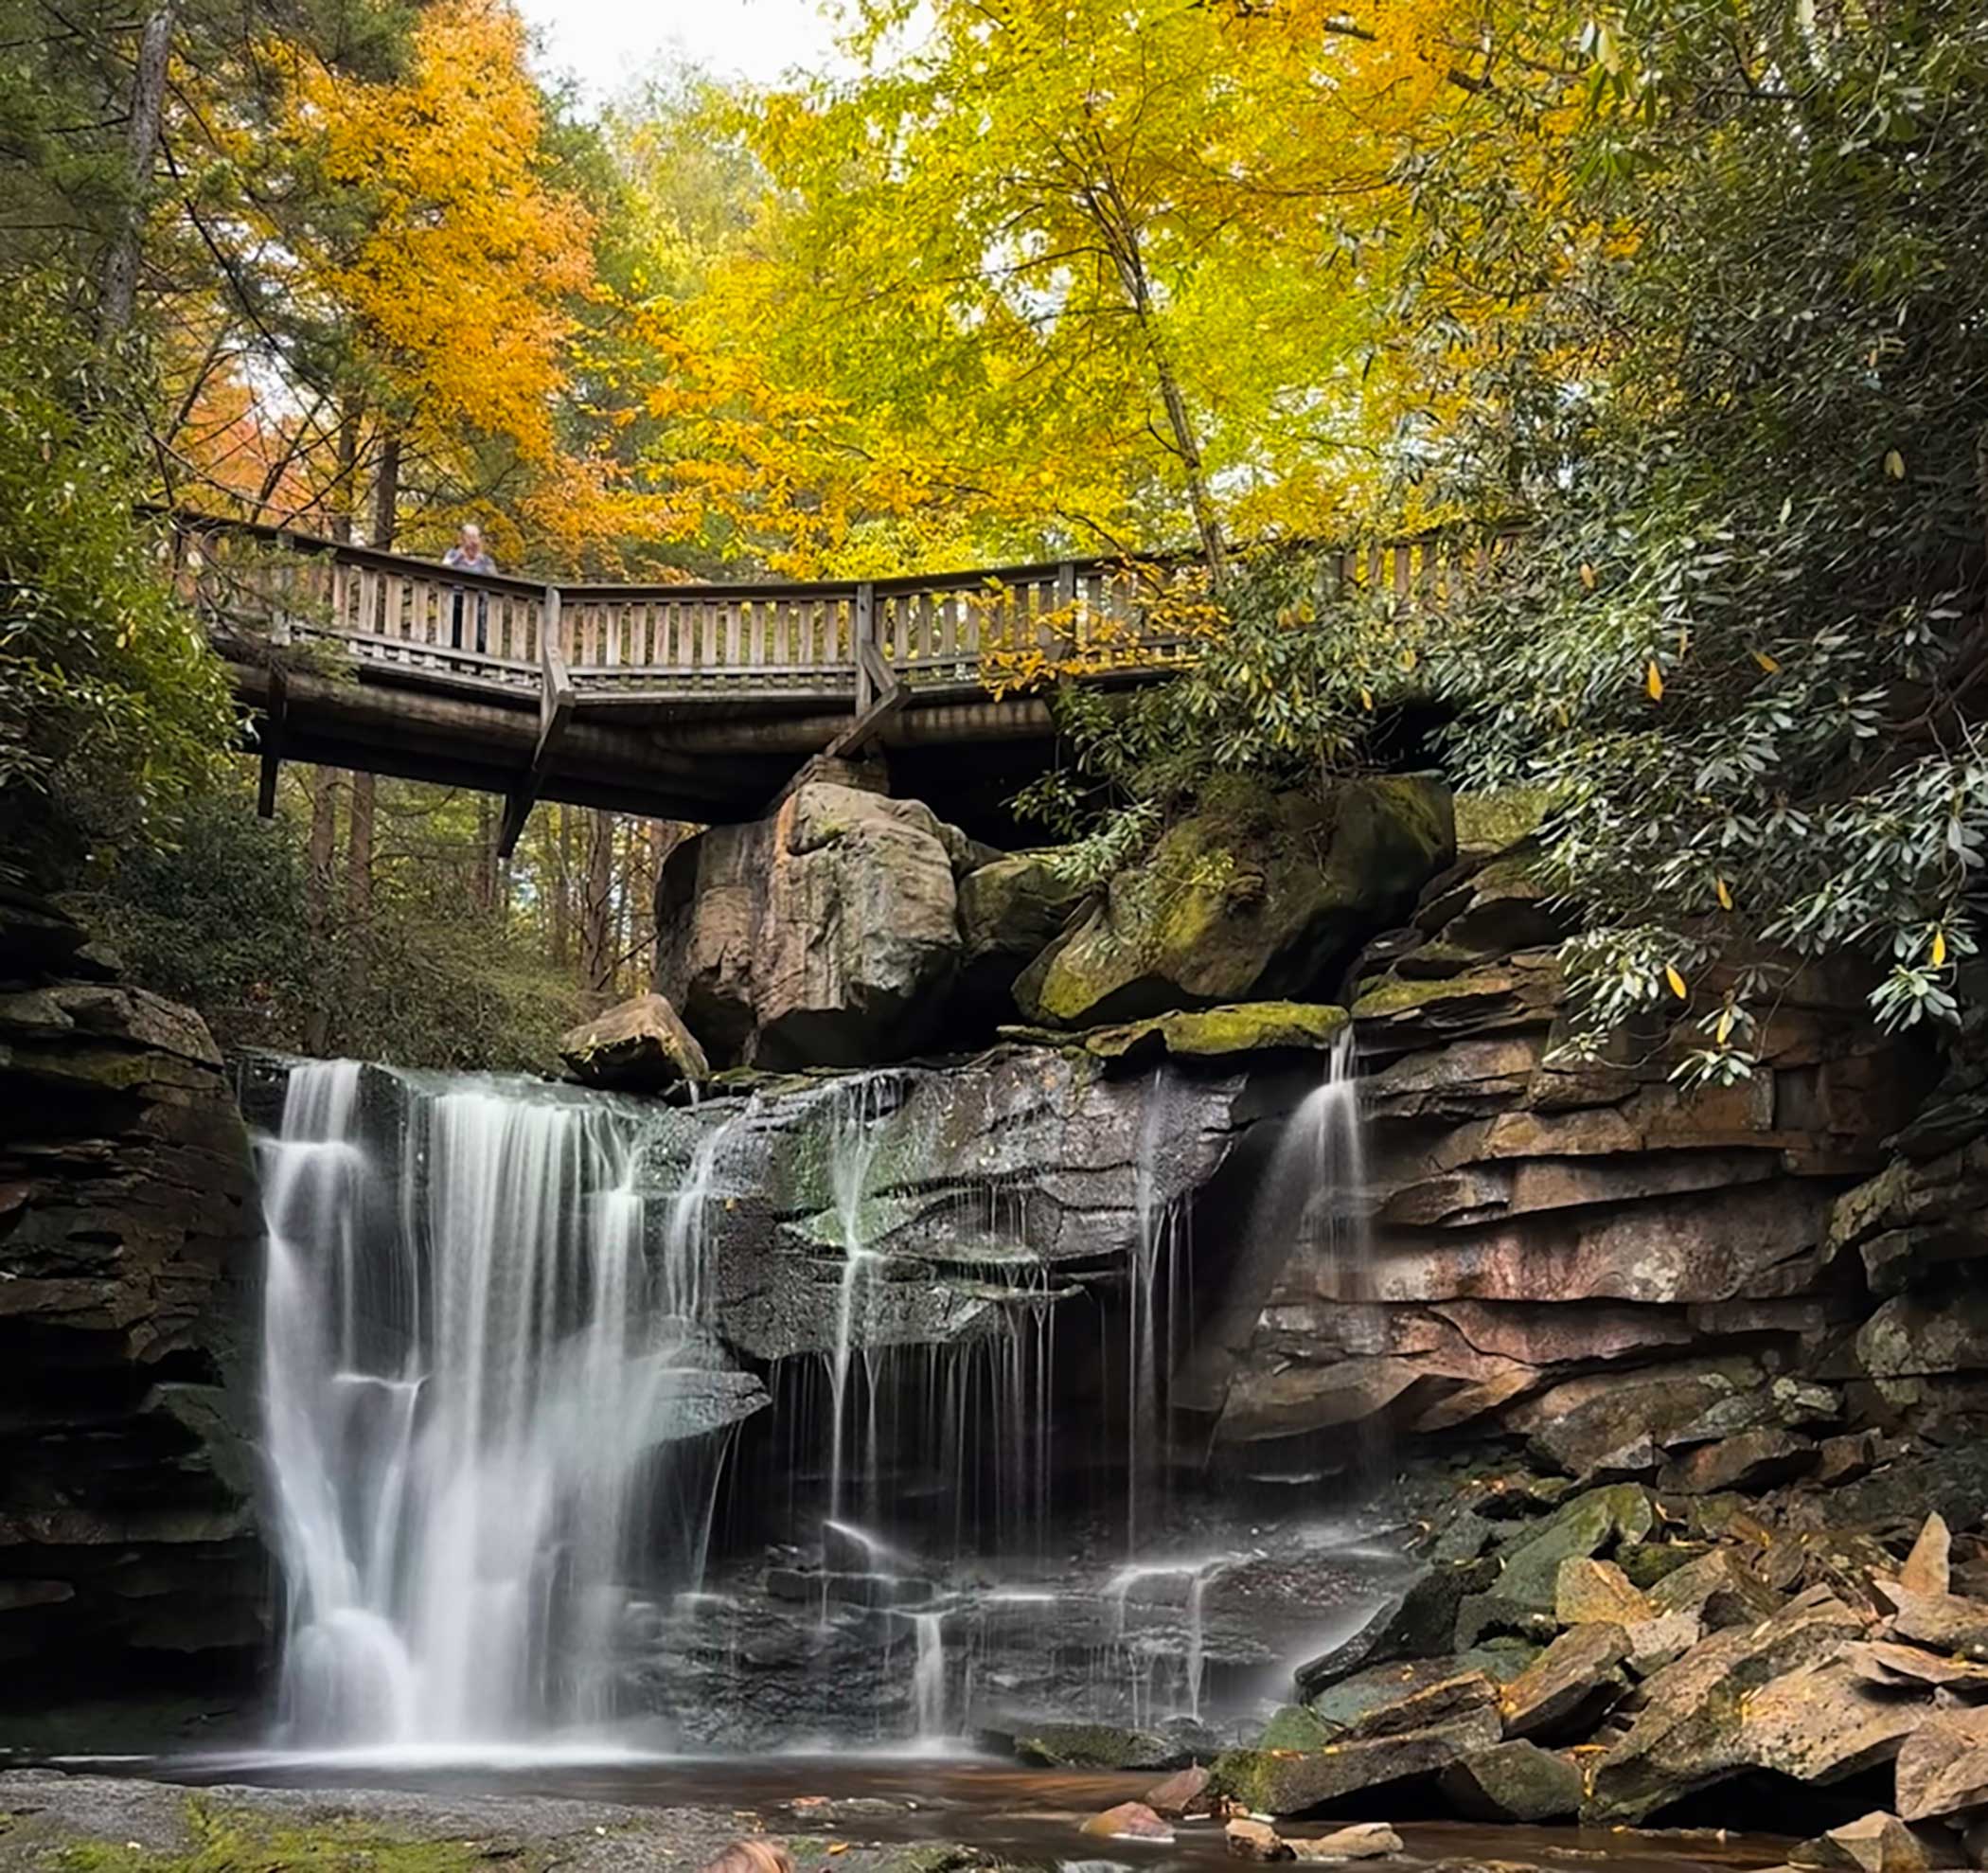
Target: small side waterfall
column 464, row 1393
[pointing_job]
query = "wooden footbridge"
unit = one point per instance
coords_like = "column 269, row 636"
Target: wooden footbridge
column 678, row 702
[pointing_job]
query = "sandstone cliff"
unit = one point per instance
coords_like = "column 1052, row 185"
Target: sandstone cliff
column 127, row 1232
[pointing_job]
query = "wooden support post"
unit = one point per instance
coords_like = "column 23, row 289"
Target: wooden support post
column 272, row 737
column 888, row 694
column 555, row 710
column 863, row 636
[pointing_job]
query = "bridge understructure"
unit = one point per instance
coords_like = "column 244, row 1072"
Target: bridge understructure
column 673, row 701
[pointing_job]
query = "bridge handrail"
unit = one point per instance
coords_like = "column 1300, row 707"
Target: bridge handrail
column 775, row 641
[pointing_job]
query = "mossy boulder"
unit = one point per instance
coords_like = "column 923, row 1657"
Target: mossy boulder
column 1257, row 896
column 1250, row 1027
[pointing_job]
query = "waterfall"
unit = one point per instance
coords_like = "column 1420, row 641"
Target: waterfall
column 859, row 1102
column 464, row 1392
column 928, row 1679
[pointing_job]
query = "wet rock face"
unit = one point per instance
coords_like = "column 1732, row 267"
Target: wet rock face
column 1633, row 1276
column 128, row 1233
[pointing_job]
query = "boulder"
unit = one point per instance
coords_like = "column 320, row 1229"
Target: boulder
column 1254, row 1840
column 1364, row 1840
column 1257, row 896
column 824, row 935
column 1129, row 1821
column 1942, row 1766
column 1751, row 1461
column 1880, row 1843
column 1881, row 1662
column 1718, row 1588
column 1570, row 1686
column 1274, row 1783
column 638, row 1046
column 1097, row 1746
column 1010, row 910
column 1513, row 1781
column 1945, row 1622
column 1929, row 1568
column 1342, row 1707
column 1183, row 1793
column 1444, row 1701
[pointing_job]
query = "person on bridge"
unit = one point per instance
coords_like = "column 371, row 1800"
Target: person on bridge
column 468, row 555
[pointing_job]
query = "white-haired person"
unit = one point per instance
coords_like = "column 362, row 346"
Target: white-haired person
column 469, row 554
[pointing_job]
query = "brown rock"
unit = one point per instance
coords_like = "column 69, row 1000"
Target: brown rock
column 1880, row 1843
column 1883, row 1663
column 1569, row 1685
column 1254, row 1840
column 1942, row 1766
column 1587, row 1590
column 825, row 935
column 1928, row 1568
column 1694, row 1726
column 1752, row 1461
column 639, row 1046
column 1365, row 1840
column 1946, row 1622
column 1185, row 1791
column 1132, row 1821
column 751, row 1856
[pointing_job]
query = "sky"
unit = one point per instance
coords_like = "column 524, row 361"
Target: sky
column 607, row 44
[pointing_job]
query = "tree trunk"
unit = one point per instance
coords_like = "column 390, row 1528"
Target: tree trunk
column 358, row 849
column 344, row 489
column 562, row 889
column 1121, row 231
column 321, row 852
column 386, row 495
column 597, row 906
column 119, row 297
column 485, row 853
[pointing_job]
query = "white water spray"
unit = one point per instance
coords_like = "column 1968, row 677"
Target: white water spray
column 462, row 1400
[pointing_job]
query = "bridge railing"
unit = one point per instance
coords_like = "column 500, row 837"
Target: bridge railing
column 765, row 641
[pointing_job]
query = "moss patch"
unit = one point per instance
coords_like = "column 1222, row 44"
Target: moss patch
column 234, row 1841
column 1245, row 1028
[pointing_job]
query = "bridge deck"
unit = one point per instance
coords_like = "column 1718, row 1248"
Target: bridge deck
column 688, row 701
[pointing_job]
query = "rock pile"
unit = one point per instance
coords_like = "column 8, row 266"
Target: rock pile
column 1607, row 1653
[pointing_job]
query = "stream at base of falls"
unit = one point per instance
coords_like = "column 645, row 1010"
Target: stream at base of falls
column 826, row 1804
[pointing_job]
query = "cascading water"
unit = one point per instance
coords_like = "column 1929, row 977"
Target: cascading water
column 463, row 1397
column 502, row 1321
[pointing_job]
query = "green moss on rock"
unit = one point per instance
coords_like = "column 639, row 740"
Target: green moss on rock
column 1245, row 1028
column 1256, row 896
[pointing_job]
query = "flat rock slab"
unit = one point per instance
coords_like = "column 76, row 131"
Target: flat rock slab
column 1569, row 1685
column 1272, row 1782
